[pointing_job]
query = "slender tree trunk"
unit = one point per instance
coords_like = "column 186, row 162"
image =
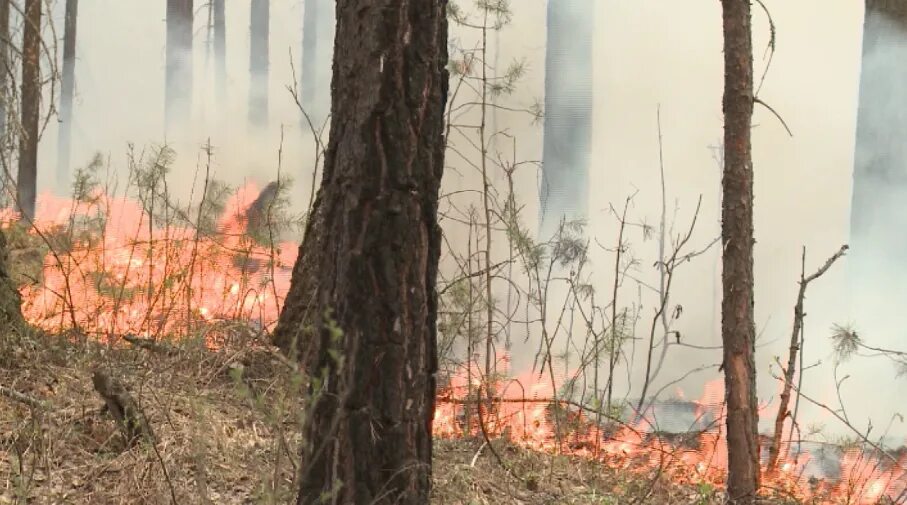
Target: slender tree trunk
column 27, row 180
column 317, row 43
column 258, row 63
column 369, row 260
column 737, row 325
column 5, row 69
column 67, row 92
column 178, row 91
column 220, row 54
column 568, row 114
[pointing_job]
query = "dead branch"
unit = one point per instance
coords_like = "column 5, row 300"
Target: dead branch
column 31, row 401
column 795, row 343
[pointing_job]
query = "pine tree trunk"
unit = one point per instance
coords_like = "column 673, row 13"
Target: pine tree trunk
column 220, row 54
column 178, row 85
column 66, row 93
column 258, row 63
column 317, row 43
column 878, row 220
column 568, row 114
column 737, row 324
column 26, row 183
column 369, row 260
column 5, row 44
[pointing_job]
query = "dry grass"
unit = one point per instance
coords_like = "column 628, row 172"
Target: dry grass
column 219, row 439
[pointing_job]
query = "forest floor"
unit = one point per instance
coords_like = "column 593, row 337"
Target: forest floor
column 224, row 429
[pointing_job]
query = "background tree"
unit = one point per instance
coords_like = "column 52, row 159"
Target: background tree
column 317, row 43
column 10, row 301
column 258, row 63
column 368, row 263
column 220, row 52
column 880, row 170
column 568, row 113
column 67, row 92
column 5, row 70
column 737, row 325
column 178, row 86
column 26, row 182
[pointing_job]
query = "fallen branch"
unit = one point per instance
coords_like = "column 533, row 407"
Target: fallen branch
column 12, row 394
column 796, row 341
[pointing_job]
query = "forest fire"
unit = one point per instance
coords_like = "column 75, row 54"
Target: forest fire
column 526, row 411
column 112, row 268
column 117, row 272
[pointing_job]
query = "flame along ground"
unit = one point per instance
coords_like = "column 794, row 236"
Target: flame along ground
column 135, row 276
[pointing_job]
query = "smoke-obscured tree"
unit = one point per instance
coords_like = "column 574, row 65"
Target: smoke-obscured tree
column 878, row 219
column 5, row 70
column 738, row 330
column 362, row 305
column 317, row 45
column 568, row 114
column 220, row 53
column 258, row 62
column 67, row 92
column 178, row 85
column 30, row 95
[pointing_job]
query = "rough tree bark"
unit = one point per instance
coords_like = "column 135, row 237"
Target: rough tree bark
column 26, row 182
column 258, row 63
column 568, row 114
column 737, row 326
column 220, row 53
column 5, row 70
column 178, row 85
column 369, row 260
column 66, row 93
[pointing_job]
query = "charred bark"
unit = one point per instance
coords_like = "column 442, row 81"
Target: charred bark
column 178, row 85
column 258, row 63
column 369, row 260
column 737, row 326
column 220, row 53
column 66, row 93
column 26, row 182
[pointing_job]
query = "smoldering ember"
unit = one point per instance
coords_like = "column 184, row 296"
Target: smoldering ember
column 450, row 252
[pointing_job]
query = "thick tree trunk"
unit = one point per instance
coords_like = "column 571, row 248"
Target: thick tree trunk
column 66, row 93
column 258, row 63
column 178, row 85
column 369, row 260
column 5, row 70
column 220, row 54
column 317, row 44
column 568, row 114
column 737, row 326
column 26, row 183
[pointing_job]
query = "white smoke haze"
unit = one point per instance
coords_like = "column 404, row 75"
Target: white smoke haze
column 647, row 53
column 669, row 54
